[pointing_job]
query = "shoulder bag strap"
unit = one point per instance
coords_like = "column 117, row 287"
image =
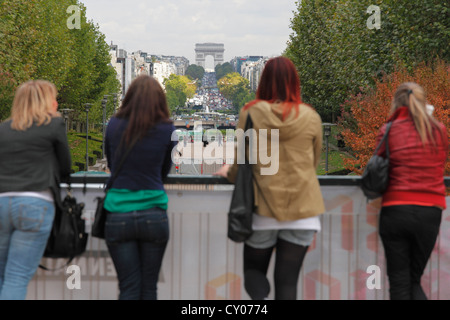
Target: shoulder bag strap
column 248, row 125
column 249, row 122
column 385, row 139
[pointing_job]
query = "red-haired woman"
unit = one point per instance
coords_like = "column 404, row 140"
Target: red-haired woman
column 287, row 192
column 137, row 229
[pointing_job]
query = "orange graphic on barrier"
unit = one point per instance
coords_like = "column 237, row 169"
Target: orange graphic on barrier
column 316, row 279
column 232, row 284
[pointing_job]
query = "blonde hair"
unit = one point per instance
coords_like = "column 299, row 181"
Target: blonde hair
column 413, row 96
column 33, row 104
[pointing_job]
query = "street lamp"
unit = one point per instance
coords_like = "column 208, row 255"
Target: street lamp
column 114, row 101
column 104, row 102
column 327, row 132
column 87, row 107
column 66, row 115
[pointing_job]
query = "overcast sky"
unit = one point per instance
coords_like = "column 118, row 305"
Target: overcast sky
column 173, row 27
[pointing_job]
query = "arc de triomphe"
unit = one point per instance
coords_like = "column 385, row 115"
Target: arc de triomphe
column 202, row 50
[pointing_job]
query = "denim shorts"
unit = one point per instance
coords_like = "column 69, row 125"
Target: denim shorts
column 263, row 239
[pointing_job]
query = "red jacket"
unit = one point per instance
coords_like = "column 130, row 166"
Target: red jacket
column 416, row 172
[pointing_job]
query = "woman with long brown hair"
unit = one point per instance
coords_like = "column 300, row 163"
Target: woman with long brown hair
column 137, row 229
column 288, row 199
column 34, row 160
column 413, row 202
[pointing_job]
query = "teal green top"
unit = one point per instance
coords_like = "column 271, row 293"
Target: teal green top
column 123, row 200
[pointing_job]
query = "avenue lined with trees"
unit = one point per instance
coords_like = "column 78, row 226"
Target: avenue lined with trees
column 230, row 84
column 348, row 70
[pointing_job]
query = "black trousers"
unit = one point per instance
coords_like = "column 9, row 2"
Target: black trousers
column 408, row 234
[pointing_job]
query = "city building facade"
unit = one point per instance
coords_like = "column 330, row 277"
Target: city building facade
column 130, row 65
column 252, row 70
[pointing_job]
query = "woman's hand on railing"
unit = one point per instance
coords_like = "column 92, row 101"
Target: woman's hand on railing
column 223, row 171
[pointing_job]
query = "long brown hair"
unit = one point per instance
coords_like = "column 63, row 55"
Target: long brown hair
column 32, row 104
column 412, row 95
column 144, row 106
column 279, row 83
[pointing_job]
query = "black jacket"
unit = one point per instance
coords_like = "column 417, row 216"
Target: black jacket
column 36, row 159
column 149, row 161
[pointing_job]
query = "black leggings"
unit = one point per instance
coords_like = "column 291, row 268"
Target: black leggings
column 288, row 262
column 408, row 233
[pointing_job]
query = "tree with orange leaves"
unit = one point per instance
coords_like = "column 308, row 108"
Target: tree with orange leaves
column 365, row 113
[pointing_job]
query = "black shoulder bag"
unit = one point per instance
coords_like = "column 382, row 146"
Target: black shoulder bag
column 98, row 226
column 68, row 237
column 375, row 178
column 242, row 202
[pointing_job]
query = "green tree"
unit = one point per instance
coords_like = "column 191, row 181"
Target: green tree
column 236, row 89
column 17, row 35
column 52, row 53
column 309, row 47
column 7, row 85
column 223, row 69
column 195, row 72
column 337, row 54
column 419, row 30
column 178, row 90
column 93, row 77
column 17, row 38
column 79, row 83
column 36, row 43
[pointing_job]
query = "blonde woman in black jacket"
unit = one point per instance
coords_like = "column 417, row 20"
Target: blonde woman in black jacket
column 34, row 158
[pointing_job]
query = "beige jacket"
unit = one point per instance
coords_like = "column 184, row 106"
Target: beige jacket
column 293, row 192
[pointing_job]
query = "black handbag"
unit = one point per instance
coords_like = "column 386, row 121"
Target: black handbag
column 375, row 178
column 98, row 226
column 68, row 237
column 242, row 201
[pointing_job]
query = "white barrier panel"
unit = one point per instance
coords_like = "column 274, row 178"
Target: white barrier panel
column 345, row 261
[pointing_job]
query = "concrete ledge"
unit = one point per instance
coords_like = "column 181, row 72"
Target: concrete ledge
column 101, row 178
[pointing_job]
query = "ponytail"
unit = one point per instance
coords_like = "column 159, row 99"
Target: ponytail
column 412, row 96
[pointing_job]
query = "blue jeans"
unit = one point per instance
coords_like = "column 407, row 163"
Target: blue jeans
column 25, row 225
column 136, row 243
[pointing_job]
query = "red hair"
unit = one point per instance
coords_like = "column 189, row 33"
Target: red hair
column 279, row 82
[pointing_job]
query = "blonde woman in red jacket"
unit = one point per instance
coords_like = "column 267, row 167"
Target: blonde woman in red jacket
column 413, row 202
